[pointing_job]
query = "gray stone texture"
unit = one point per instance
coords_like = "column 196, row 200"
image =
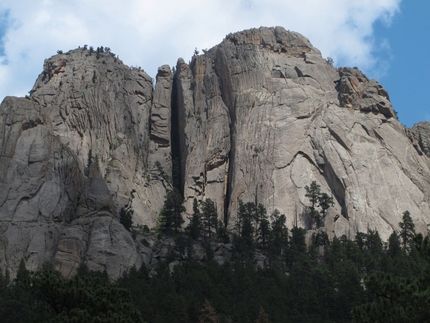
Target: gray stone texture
column 75, row 152
column 421, row 132
column 257, row 117
column 263, row 115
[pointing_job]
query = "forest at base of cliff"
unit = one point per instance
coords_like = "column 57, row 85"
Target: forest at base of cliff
column 343, row 280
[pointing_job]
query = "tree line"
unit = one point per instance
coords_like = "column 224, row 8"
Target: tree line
column 340, row 280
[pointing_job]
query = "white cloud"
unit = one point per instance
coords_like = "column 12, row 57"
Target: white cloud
column 151, row 33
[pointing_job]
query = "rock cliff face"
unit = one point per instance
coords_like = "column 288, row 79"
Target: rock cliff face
column 73, row 153
column 422, row 134
column 257, row 118
column 263, row 115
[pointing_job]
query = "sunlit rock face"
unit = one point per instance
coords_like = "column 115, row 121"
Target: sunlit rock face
column 76, row 151
column 263, row 115
column 256, row 118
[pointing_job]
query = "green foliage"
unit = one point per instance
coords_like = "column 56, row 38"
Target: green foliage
column 206, row 223
column 16, row 303
column 337, row 281
column 222, row 233
column 313, row 192
column 296, row 246
column 318, row 201
column 278, row 236
column 407, row 231
column 246, row 218
column 209, row 218
column 170, row 218
column 397, row 299
column 244, row 240
column 46, row 296
column 263, row 228
column 400, row 294
column 325, row 201
column 181, row 243
column 194, row 227
column 23, row 274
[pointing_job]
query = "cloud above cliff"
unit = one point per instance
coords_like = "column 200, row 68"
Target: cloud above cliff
column 151, row 33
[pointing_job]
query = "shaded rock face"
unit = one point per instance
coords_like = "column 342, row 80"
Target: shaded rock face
column 73, row 153
column 257, row 118
column 263, row 115
column 421, row 132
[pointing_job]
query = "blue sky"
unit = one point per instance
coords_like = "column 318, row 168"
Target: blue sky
column 387, row 39
column 4, row 22
column 408, row 77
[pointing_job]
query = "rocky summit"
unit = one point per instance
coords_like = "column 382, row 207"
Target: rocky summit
column 255, row 118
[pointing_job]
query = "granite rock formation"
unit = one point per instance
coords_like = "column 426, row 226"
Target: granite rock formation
column 263, row 115
column 257, row 117
column 422, row 134
column 76, row 151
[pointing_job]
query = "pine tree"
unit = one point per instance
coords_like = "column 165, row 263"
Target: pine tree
column 209, row 217
column 296, row 246
column 171, row 214
column 247, row 212
column 264, row 234
column 263, row 229
column 324, row 202
column 394, row 248
column 222, row 233
column 4, row 280
column 313, row 194
column 407, row 231
column 195, row 226
column 278, row 239
column 80, row 299
column 318, row 200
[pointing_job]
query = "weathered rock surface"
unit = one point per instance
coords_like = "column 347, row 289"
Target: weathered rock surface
column 422, row 134
column 257, row 118
column 264, row 114
column 72, row 154
column 159, row 156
